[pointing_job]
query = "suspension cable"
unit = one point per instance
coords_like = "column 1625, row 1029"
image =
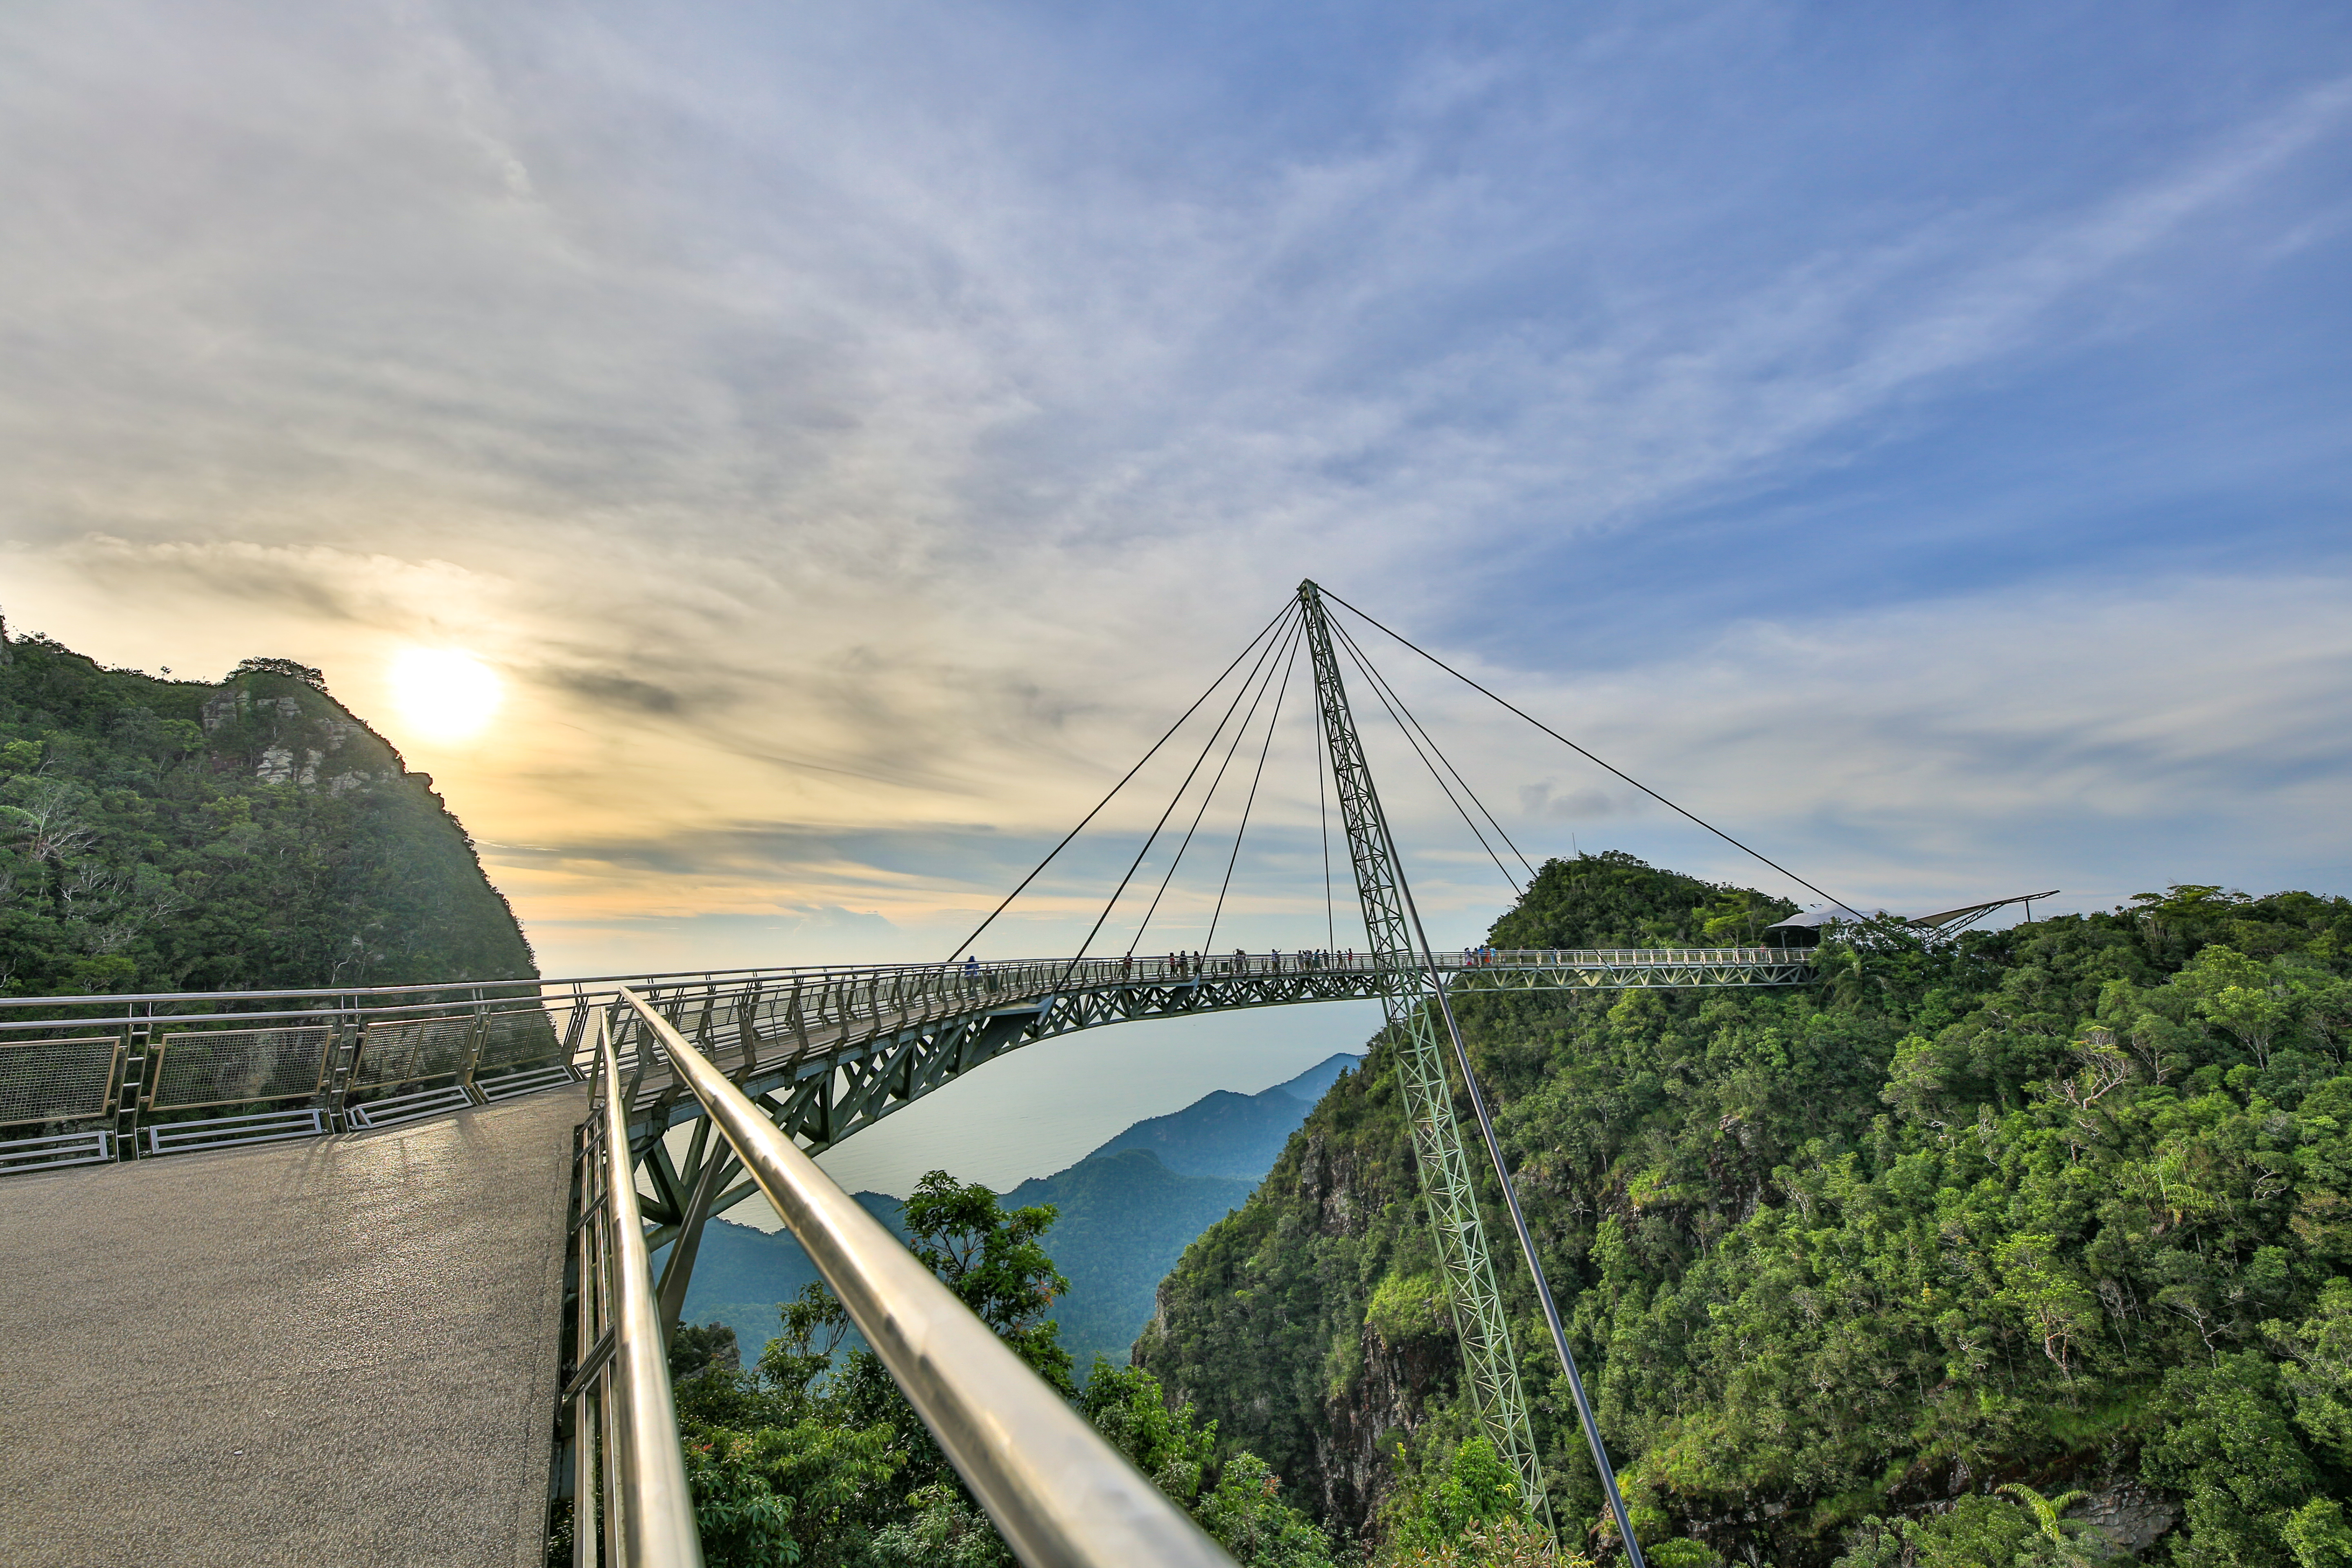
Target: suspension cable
column 1588, row 756
column 1382, row 681
column 1323, row 813
column 1286, row 642
column 1209, row 943
column 1509, row 880
column 1241, row 732
column 1035, row 872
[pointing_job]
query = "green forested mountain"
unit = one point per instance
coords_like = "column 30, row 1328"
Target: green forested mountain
column 165, row 836
column 1227, row 1134
column 2061, row 1209
column 1121, row 1220
column 1124, row 1219
column 1124, row 1213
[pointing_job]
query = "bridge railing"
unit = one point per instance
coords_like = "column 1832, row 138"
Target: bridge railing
column 630, row 1503
column 89, row 1078
column 1061, row 1496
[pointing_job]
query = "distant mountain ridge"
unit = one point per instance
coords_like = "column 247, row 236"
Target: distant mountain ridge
column 1128, row 1212
column 1227, row 1134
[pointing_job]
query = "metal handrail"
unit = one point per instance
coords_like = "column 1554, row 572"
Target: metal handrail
column 633, row 1427
column 1061, row 1496
column 562, row 990
column 1029, row 974
column 784, row 1019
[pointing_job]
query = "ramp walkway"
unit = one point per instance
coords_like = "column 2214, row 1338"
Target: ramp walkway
column 333, row 1351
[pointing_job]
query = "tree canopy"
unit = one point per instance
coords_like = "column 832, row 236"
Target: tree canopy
column 2065, row 1206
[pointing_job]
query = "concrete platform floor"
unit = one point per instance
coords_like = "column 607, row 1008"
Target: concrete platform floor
column 331, row 1352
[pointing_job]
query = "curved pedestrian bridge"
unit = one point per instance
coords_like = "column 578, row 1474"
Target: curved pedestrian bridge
column 287, row 1271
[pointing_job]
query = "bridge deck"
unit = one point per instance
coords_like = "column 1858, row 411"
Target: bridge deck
column 339, row 1351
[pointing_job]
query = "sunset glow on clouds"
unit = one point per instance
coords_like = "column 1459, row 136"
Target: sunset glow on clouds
column 845, row 436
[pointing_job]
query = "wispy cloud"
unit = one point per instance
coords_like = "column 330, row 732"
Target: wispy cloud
column 869, row 420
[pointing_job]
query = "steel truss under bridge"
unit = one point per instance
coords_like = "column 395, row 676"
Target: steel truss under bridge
column 827, row 1053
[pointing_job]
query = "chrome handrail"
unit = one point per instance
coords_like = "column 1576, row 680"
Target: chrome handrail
column 623, row 1412
column 1061, row 1496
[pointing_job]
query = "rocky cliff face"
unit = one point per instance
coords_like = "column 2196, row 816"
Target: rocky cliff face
column 289, row 738
column 163, row 835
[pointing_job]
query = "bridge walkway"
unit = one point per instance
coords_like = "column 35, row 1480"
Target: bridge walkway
column 336, row 1351
column 832, row 1051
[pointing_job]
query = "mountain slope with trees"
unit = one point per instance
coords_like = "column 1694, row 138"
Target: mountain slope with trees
column 814, row 1458
column 1127, row 1212
column 163, row 835
column 1875, row 1270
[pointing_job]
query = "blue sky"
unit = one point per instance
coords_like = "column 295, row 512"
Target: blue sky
column 1914, row 436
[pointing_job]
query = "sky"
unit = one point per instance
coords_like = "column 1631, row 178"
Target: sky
column 775, row 467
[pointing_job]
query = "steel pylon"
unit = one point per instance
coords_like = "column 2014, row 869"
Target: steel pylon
column 1390, row 925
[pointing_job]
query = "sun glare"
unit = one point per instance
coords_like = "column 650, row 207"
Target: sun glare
column 443, row 694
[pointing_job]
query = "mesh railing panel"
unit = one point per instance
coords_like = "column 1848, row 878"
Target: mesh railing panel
column 235, row 1066
column 511, row 1037
column 57, row 1080
column 406, row 1050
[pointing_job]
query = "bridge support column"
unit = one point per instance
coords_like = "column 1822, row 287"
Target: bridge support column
column 1413, row 1005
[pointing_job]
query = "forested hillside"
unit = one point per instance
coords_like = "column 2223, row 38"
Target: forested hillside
column 163, row 835
column 2061, row 1209
column 1121, row 1220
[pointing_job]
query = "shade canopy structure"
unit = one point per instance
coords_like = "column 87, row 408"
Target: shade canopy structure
column 1804, row 928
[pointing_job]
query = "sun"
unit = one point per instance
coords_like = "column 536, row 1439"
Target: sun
column 444, row 693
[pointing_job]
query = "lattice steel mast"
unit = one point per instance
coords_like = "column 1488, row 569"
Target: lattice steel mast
column 1393, row 927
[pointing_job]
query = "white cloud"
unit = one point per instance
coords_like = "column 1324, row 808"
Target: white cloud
column 872, row 423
